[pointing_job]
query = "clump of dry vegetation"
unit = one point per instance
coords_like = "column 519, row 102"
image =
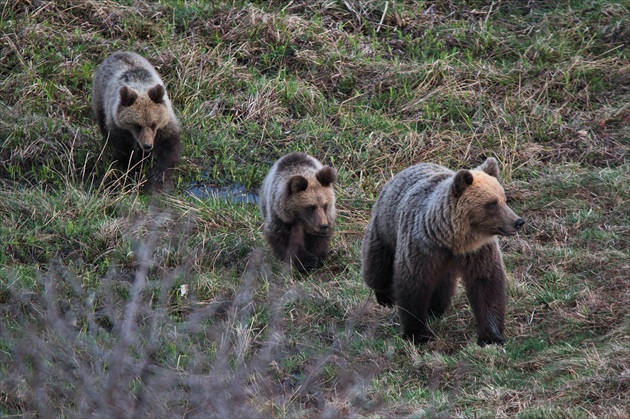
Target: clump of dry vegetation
column 113, row 303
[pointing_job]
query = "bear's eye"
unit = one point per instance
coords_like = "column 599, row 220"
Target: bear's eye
column 325, row 206
column 492, row 205
column 311, row 208
column 153, row 126
column 137, row 127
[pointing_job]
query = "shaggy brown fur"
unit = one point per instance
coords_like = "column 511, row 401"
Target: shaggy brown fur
column 135, row 116
column 297, row 202
column 430, row 226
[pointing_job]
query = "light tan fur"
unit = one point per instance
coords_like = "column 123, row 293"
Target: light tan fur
column 315, row 201
column 469, row 212
column 143, row 119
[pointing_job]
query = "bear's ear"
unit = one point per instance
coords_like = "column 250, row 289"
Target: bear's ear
column 490, row 166
column 297, row 184
column 463, row 179
column 127, row 96
column 156, row 93
column 326, row 175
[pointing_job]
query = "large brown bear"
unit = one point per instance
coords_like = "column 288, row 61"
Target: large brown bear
column 297, row 202
column 430, row 226
column 135, row 116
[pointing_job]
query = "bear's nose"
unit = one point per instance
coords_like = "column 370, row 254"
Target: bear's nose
column 148, row 147
column 323, row 227
column 519, row 223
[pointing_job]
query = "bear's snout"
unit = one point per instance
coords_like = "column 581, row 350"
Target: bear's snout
column 511, row 228
column 146, row 139
column 510, row 222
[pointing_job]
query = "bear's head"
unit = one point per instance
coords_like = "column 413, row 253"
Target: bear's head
column 142, row 114
column 481, row 211
column 311, row 201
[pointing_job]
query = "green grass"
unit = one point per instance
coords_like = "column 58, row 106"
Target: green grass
column 93, row 320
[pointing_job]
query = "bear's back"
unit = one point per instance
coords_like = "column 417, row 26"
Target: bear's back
column 114, row 68
column 123, row 68
column 409, row 193
column 414, row 183
column 297, row 163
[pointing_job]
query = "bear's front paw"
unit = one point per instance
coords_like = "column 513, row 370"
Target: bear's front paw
column 418, row 338
column 491, row 340
column 305, row 263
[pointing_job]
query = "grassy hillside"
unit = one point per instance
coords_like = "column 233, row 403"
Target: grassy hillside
column 115, row 303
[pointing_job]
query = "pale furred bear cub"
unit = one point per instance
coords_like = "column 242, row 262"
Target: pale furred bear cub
column 135, row 116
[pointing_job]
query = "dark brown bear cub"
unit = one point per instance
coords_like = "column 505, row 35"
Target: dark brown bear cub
column 135, row 116
column 297, row 202
column 431, row 226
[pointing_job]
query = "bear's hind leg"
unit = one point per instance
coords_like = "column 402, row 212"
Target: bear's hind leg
column 413, row 310
column 413, row 297
column 484, row 278
column 377, row 266
column 418, row 285
column 443, row 294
